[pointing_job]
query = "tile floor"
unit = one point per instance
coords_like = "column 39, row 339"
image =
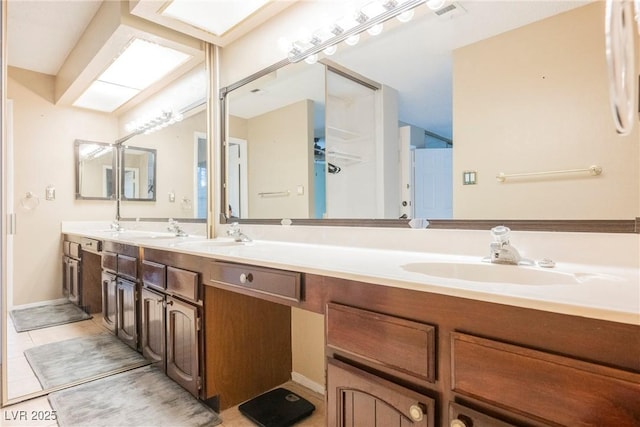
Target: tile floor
column 21, row 379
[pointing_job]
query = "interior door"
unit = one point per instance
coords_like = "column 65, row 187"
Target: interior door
column 153, row 343
column 433, row 183
column 183, row 347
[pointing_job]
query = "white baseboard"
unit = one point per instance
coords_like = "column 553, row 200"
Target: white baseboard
column 306, row 382
column 39, row 303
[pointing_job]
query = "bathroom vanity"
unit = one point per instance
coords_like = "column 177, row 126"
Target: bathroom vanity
column 397, row 352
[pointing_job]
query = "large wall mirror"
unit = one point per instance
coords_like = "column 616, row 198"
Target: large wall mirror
column 419, row 122
column 165, row 172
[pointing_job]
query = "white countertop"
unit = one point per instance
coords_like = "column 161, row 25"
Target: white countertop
column 593, row 291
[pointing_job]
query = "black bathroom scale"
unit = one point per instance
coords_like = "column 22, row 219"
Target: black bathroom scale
column 277, row 408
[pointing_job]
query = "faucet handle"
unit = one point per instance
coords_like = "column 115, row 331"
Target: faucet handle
column 501, row 234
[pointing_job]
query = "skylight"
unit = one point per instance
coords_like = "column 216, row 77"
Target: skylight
column 216, row 17
column 140, row 65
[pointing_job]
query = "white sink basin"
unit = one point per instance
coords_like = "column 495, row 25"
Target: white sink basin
column 142, row 235
column 207, row 244
column 494, row 273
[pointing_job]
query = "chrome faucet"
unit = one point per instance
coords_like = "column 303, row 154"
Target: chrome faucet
column 235, row 232
column 115, row 226
column 175, row 228
column 501, row 250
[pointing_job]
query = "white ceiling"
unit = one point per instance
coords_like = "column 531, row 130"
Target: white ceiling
column 40, row 34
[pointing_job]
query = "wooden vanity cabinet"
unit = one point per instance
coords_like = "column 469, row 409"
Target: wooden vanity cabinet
column 171, row 316
column 81, row 272
column 493, row 364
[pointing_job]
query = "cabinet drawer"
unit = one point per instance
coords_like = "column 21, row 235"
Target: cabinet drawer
column 71, row 249
column 110, row 261
column 549, row 387
column 91, row 245
column 461, row 416
column 182, row 283
column 154, row 275
column 285, row 284
column 128, row 266
column 396, row 343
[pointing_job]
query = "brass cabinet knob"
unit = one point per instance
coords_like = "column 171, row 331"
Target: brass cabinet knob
column 416, row 413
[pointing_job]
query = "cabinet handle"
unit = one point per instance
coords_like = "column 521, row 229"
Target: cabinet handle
column 246, row 277
column 459, row 423
column 416, row 413
column 169, row 302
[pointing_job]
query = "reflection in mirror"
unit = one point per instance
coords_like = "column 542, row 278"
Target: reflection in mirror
column 511, row 87
column 138, row 173
column 95, row 170
column 43, row 125
column 181, row 174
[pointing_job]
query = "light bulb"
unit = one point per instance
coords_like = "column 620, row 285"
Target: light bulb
column 353, row 40
column 406, row 16
column 435, row 4
column 376, row 29
column 284, row 44
column 330, row 50
column 311, row 59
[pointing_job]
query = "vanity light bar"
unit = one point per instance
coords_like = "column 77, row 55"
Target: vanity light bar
column 391, row 10
column 148, row 125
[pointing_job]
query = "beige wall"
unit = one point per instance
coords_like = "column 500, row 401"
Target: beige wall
column 536, row 99
column 307, row 344
column 280, row 158
column 43, row 139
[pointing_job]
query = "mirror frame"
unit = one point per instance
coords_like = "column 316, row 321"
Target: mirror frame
column 121, row 155
column 583, row 226
column 114, row 165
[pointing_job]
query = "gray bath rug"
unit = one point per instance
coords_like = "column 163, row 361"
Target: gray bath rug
column 70, row 360
column 140, row 397
column 28, row 319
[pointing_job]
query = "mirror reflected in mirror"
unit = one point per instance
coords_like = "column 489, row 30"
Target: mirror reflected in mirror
column 138, row 173
column 490, row 88
column 95, row 170
column 181, row 173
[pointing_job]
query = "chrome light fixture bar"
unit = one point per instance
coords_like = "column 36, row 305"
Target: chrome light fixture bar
column 391, row 10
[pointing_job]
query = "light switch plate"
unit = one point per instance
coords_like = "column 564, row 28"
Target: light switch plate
column 469, row 177
column 50, row 192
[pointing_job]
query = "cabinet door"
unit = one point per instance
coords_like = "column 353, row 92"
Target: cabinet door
column 65, row 276
column 73, row 277
column 109, row 302
column 183, row 359
column 358, row 398
column 127, row 313
column 152, row 327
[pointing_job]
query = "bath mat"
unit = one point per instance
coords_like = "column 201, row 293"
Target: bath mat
column 140, row 397
column 74, row 359
column 43, row 316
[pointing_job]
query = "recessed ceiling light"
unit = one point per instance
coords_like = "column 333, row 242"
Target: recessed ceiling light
column 105, row 97
column 141, row 64
column 216, row 17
